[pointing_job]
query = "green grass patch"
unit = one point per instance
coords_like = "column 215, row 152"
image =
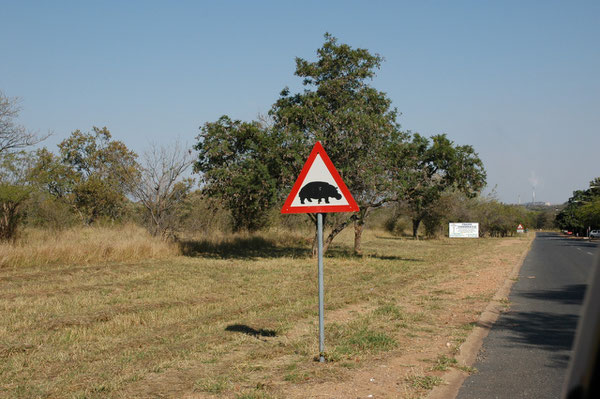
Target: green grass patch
column 358, row 338
column 390, row 311
column 253, row 395
column 211, row 385
column 424, row 382
column 469, row 326
column 443, row 363
column 468, row 369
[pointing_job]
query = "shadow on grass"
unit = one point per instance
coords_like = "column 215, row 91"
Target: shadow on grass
column 241, row 248
column 336, row 251
column 244, row 329
column 392, row 257
column 400, row 238
column 259, row 247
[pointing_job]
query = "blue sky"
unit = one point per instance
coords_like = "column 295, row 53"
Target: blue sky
column 518, row 80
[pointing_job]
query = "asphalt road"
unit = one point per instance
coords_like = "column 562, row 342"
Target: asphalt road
column 527, row 351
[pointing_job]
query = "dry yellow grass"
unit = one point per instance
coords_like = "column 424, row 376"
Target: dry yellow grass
column 234, row 317
column 84, row 245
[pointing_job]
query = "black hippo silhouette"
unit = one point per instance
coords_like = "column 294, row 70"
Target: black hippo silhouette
column 319, row 190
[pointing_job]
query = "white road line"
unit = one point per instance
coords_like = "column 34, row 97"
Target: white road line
column 589, row 253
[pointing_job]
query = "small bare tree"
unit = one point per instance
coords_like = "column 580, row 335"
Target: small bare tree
column 13, row 190
column 12, row 135
column 160, row 186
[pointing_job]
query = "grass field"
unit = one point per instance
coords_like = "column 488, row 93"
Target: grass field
column 234, row 317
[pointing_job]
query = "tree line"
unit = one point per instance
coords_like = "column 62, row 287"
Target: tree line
column 582, row 210
column 246, row 168
column 251, row 166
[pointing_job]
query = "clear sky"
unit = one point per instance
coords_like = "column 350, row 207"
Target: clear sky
column 518, row 80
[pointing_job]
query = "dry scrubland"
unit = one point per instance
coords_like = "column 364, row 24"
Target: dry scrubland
column 92, row 313
column 39, row 247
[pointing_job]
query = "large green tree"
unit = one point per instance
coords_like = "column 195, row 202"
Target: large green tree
column 426, row 168
column 590, row 213
column 582, row 210
column 89, row 173
column 243, row 166
column 355, row 123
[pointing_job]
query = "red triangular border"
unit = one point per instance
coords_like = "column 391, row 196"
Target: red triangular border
column 287, row 206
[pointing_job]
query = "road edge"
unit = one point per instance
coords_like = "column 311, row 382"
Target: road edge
column 453, row 379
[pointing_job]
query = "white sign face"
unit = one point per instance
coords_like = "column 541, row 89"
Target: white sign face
column 463, row 230
column 319, row 188
column 325, row 186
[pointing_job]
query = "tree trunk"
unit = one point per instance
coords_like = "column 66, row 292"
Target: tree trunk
column 416, row 223
column 8, row 222
column 359, row 225
column 336, row 230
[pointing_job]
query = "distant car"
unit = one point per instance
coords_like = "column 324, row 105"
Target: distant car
column 594, row 234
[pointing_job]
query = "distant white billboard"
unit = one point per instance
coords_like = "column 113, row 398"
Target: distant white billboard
column 464, row 230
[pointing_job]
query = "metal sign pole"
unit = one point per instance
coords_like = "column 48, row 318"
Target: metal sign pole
column 319, row 180
column 321, row 307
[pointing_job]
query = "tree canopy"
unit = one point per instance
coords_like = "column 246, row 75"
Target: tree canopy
column 250, row 166
column 89, row 173
column 14, row 191
column 426, row 168
column 582, row 210
column 354, row 121
column 13, row 136
column 244, row 165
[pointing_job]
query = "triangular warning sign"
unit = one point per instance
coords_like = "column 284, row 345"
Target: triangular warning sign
column 519, row 227
column 319, row 188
